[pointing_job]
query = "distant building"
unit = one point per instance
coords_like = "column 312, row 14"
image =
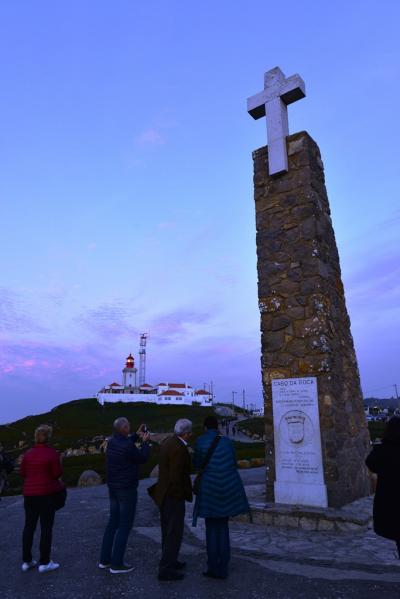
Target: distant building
column 161, row 394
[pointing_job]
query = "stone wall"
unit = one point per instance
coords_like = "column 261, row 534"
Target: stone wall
column 305, row 327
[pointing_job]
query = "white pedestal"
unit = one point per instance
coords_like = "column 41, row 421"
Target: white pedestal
column 301, row 494
column 297, row 437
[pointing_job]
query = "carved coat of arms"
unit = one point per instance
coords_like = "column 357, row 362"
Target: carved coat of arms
column 295, row 427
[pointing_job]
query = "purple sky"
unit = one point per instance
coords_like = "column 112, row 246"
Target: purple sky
column 126, row 186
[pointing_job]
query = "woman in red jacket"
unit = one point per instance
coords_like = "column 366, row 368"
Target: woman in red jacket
column 41, row 470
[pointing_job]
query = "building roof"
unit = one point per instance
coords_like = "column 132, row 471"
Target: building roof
column 179, row 385
column 146, row 385
column 169, row 392
column 202, row 392
column 115, row 385
column 161, row 385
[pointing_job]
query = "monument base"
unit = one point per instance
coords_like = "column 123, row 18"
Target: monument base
column 290, row 493
column 353, row 517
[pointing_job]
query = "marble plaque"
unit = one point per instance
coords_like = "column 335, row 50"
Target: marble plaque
column 298, row 456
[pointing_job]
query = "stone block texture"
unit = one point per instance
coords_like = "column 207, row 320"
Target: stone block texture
column 305, row 327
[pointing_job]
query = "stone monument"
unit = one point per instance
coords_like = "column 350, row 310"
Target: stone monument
column 317, row 435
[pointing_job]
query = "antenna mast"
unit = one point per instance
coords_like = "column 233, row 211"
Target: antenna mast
column 142, row 359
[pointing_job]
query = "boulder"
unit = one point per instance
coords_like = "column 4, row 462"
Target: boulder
column 244, row 464
column 255, row 462
column 89, row 478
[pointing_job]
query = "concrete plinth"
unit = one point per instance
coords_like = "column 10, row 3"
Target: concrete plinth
column 353, row 517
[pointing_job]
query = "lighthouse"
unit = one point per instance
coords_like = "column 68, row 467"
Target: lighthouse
column 166, row 394
column 129, row 374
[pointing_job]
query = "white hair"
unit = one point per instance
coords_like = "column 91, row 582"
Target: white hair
column 182, row 426
column 120, row 423
column 43, row 433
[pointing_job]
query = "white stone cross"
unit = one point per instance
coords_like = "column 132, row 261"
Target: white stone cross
column 272, row 102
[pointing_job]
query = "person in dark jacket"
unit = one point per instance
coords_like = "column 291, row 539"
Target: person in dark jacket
column 384, row 460
column 41, row 470
column 123, row 458
column 221, row 495
column 172, row 489
column 6, row 467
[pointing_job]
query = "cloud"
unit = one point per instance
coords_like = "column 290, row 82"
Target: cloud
column 111, row 319
column 21, row 356
column 44, row 362
column 14, row 314
column 39, row 376
column 167, row 225
column 151, row 137
column 373, row 289
column 155, row 135
column 56, row 295
column 372, row 274
column 227, row 279
column 177, row 325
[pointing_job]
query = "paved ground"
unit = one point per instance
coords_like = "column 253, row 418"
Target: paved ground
column 266, row 563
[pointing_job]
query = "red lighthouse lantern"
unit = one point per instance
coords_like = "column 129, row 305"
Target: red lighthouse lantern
column 130, row 362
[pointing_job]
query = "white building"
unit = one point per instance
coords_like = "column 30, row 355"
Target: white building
column 166, row 394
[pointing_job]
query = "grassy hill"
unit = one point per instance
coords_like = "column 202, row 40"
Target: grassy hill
column 77, row 422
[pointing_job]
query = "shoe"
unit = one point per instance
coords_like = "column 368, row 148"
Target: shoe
column 124, row 569
column 28, row 565
column 171, row 575
column 103, row 566
column 48, row 567
column 179, row 565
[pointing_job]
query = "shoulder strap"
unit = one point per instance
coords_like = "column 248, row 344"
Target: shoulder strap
column 209, row 453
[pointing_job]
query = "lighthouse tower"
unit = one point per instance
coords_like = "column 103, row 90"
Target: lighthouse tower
column 129, row 374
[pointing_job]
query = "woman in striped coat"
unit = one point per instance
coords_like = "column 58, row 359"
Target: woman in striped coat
column 221, row 495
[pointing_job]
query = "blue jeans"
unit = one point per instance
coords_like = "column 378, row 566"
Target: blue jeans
column 122, row 513
column 218, row 546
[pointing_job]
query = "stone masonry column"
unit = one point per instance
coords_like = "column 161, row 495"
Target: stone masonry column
column 305, row 327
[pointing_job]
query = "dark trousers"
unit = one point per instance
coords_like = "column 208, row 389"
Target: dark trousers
column 172, row 516
column 218, row 546
column 122, row 513
column 41, row 506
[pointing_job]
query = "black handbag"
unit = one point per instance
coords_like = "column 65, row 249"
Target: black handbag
column 197, row 480
column 59, row 499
